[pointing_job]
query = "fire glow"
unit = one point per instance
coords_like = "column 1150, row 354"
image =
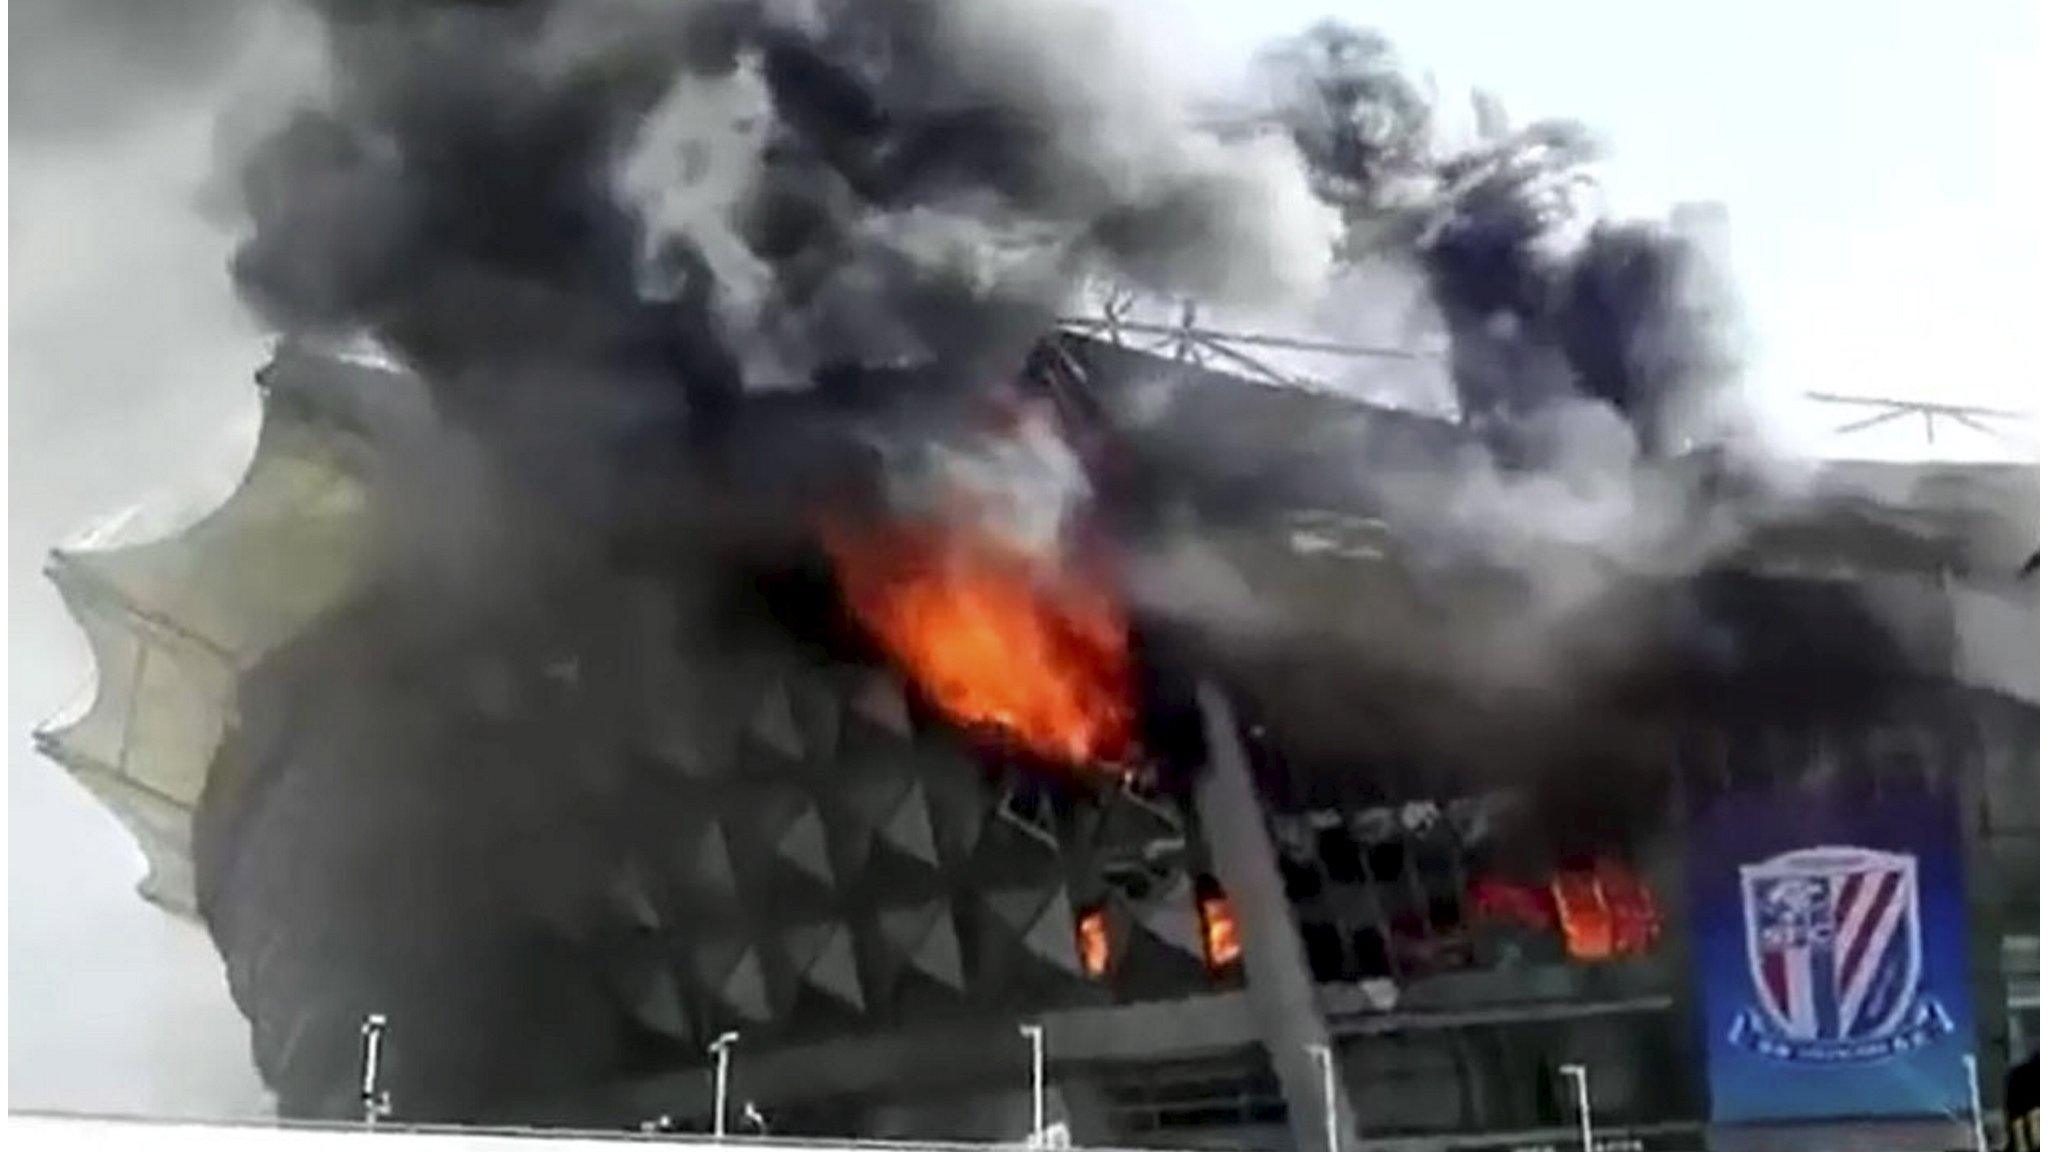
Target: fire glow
column 994, row 637
column 1220, row 944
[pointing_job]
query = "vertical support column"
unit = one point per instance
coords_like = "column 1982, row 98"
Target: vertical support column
column 1277, row 979
column 375, row 1100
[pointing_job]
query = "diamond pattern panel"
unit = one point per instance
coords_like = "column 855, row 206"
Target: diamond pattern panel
column 895, row 810
column 710, row 865
column 821, row 955
column 1042, row 922
column 795, row 831
column 630, row 897
column 773, row 723
column 924, row 939
column 1169, row 916
column 1019, row 843
column 959, row 801
column 1132, row 822
column 733, row 975
column 838, row 803
column 653, row 998
column 815, row 701
column 909, row 828
column 879, row 700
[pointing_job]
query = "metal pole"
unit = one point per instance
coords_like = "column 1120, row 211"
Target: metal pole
column 376, row 1102
column 721, row 1048
column 1577, row 1074
column 1976, row 1103
column 1328, row 1063
column 1279, row 982
column 1036, row 1034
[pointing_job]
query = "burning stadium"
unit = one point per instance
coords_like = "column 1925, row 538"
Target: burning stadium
column 700, row 575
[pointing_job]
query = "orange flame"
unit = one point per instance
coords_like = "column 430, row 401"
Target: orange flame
column 1605, row 913
column 1091, row 933
column 1220, row 942
column 993, row 637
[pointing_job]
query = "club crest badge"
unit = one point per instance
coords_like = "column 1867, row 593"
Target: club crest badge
column 1834, row 958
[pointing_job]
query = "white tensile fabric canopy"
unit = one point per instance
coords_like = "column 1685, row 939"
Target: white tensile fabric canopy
column 174, row 622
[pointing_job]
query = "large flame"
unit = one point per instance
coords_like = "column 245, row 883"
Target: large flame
column 993, row 636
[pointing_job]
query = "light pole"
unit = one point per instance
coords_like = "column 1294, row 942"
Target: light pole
column 1576, row 1073
column 1976, row 1103
column 1328, row 1063
column 1036, row 1034
column 376, row 1102
column 722, row 1049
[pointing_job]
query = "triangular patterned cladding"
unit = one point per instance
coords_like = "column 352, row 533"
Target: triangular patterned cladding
column 803, row 944
column 895, row 809
column 629, row 896
column 1018, row 908
column 1129, row 821
column 652, row 996
column 816, row 700
column 802, row 844
column 924, row 939
column 878, row 699
column 1042, row 921
column 690, row 743
column 794, row 830
column 733, row 975
column 695, row 720
column 773, row 724
column 822, row 957
column 959, row 799
column 1028, row 807
column 909, row 829
column 870, row 796
column 1143, row 956
column 1018, row 846
column 1169, row 916
column 851, row 840
column 710, row 866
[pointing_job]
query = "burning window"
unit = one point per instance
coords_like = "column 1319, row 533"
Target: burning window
column 1602, row 911
column 1220, row 944
column 1091, row 934
column 1631, row 906
column 1605, row 912
column 996, row 638
column 1583, row 916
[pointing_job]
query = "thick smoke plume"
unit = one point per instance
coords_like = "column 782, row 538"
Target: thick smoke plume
column 1584, row 353
column 595, row 226
column 601, row 230
column 1544, row 296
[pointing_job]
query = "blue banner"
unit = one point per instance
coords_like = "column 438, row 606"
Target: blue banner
column 1831, row 943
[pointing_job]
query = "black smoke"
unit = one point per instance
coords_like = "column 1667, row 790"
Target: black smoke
column 595, row 227
column 1546, row 299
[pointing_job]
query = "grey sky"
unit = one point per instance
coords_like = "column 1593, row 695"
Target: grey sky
column 128, row 373
column 1887, row 238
